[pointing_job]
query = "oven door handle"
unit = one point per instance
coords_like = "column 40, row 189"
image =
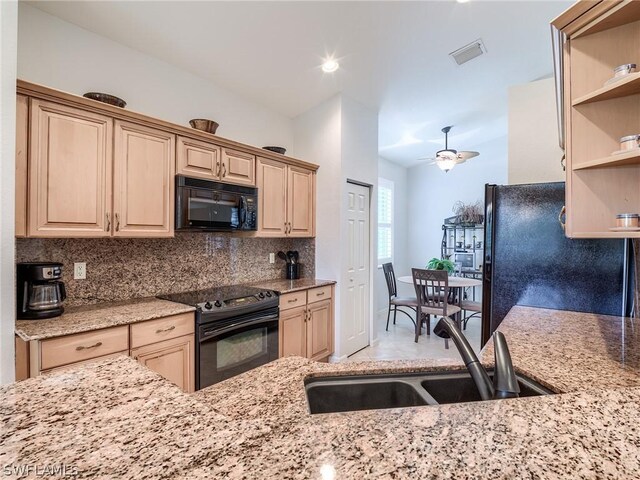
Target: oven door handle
column 215, row 332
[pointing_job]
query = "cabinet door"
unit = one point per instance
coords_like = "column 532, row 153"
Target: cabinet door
column 300, row 202
column 69, row 172
column 272, row 195
column 238, row 167
column 293, row 336
column 319, row 330
column 198, row 159
column 173, row 359
column 22, row 131
column 143, row 186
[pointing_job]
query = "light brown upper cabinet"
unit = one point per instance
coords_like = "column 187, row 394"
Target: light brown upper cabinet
column 602, row 181
column 300, row 201
column 143, row 185
column 206, row 160
column 272, row 198
column 22, row 133
column 69, row 171
column 286, row 200
column 238, row 167
column 198, row 159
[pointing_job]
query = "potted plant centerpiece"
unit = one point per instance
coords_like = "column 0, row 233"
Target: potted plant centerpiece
column 441, row 264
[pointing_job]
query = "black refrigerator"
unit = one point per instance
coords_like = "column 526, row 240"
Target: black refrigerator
column 529, row 261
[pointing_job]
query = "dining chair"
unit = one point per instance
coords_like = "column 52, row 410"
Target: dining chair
column 432, row 293
column 469, row 306
column 394, row 300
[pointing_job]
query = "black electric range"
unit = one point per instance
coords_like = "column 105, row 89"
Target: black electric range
column 236, row 330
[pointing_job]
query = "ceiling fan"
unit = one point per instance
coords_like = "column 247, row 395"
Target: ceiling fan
column 448, row 158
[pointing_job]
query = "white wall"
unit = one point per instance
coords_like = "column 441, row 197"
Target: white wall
column 432, row 194
column 341, row 136
column 61, row 55
column 360, row 163
column 318, row 140
column 534, row 153
column 398, row 175
column 8, row 48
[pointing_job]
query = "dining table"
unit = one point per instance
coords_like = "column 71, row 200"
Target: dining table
column 457, row 286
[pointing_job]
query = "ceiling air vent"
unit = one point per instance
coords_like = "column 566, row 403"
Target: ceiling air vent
column 469, row 52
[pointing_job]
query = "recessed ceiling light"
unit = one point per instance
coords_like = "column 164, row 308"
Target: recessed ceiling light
column 330, row 66
column 462, row 1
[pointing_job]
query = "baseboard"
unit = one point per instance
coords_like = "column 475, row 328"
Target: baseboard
column 335, row 359
column 374, row 342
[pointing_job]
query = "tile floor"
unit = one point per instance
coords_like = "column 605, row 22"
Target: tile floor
column 398, row 344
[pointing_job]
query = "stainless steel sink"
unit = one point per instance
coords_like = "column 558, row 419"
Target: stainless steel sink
column 367, row 392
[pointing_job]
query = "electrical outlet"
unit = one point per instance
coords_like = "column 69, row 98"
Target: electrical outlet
column 79, row 271
column 272, row 258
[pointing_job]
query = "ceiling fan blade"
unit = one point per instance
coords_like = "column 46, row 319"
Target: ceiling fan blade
column 464, row 156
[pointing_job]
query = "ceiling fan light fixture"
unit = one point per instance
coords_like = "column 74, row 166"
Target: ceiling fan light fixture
column 445, row 164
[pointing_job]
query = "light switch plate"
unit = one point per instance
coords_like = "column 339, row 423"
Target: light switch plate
column 272, row 258
column 79, row 271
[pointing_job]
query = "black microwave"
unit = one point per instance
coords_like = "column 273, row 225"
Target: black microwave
column 203, row 205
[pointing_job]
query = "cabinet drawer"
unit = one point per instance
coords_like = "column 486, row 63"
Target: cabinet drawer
column 320, row 293
column 84, row 362
column 291, row 300
column 152, row 331
column 83, row 346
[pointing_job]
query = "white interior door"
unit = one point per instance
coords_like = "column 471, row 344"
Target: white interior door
column 355, row 320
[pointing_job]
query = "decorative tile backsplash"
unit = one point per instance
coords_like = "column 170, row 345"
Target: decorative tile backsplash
column 120, row 269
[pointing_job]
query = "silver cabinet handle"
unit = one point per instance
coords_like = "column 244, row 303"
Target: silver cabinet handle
column 168, row 329
column 82, row 347
column 293, row 300
column 108, row 217
column 117, row 222
column 218, row 169
column 319, row 294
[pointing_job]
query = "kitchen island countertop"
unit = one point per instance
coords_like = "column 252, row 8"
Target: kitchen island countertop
column 117, row 417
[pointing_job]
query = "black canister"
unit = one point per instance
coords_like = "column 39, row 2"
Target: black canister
column 293, row 271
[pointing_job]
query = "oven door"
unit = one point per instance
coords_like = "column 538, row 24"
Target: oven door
column 226, row 348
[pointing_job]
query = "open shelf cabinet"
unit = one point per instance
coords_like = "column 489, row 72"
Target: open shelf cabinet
column 601, row 184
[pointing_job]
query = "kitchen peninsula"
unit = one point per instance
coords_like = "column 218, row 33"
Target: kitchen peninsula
column 257, row 424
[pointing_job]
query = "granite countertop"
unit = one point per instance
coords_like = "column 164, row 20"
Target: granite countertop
column 117, row 419
column 287, row 286
column 94, row 317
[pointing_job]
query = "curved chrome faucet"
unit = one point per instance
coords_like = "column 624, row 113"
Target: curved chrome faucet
column 505, row 383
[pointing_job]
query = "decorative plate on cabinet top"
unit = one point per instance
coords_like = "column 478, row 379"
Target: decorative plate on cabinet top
column 106, row 98
column 280, row 150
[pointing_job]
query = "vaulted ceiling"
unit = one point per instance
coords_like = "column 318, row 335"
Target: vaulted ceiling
column 393, row 56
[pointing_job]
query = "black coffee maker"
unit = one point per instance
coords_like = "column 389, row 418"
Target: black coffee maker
column 40, row 290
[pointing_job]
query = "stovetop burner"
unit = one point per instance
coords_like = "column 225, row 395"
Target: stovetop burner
column 231, row 298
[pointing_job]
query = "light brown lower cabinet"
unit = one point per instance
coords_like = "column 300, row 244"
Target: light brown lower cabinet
column 306, row 323
column 293, row 332
column 165, row 345
column 173, row 359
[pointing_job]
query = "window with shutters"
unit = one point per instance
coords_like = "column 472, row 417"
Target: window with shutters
column 385, row 221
